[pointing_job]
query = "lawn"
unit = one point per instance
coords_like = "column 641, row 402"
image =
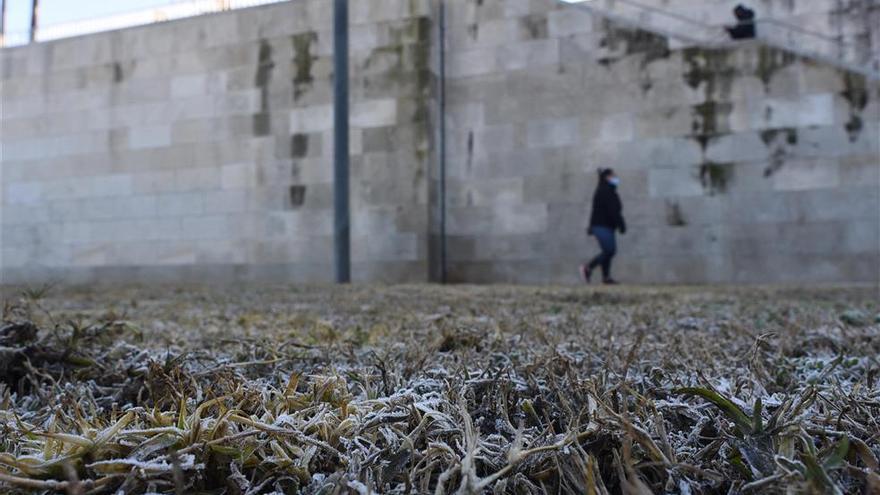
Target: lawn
column 429, row 389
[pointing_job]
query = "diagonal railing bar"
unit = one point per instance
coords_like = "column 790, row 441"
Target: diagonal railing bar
column 772, row 32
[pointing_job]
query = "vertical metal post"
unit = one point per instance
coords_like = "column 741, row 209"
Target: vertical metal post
column 3, row 23
column 35, row 12
column 442, row 144
column 342, row 226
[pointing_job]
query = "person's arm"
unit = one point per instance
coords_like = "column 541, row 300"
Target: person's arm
column 592, row 214
column 618, row 208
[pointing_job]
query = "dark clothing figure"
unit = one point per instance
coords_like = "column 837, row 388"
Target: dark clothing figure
column 605, row 219
column 607, row 208
column 745, row 23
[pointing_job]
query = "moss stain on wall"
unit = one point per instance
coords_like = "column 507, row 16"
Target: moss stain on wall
column 779, row 148
column 770, row 61
column 715, row 177
column 674, row 215
column 302, row 63
column 856, row 93
column 262, row 122
column 651, row 47
column 407, row 57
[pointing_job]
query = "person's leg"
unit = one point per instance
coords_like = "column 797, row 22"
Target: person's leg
column 598, row 233
column 605, row 237
column 610, row 250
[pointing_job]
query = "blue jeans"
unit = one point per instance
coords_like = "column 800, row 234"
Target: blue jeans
column 608, row 244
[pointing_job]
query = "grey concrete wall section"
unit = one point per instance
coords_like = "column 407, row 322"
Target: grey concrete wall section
column 185, row 148
column 738, row 165
column 202, row 149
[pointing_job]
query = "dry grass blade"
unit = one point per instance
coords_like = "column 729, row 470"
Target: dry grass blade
column 424, row 389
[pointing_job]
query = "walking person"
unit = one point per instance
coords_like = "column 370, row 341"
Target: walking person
column 605, row 219
column 745, row 23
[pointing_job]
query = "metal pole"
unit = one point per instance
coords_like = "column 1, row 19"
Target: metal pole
column 442, row 181
column 35, row 11
column 342, row 226
column 3, row 23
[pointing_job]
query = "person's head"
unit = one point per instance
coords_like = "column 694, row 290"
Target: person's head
column 607, row 176
column 741, row 11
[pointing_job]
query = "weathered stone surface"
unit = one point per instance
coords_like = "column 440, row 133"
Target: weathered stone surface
column 126, row 156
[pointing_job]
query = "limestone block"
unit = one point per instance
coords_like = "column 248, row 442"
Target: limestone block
column 497, row 191
column 153, row 182
column 520, row 219
column 762, row 207
column 674, row 182
column 78, row 232
column 469, row 63
column 108, row 185
column 494, row 138
column 528, row 54
column 180, row 204
column 12, row 257
column 371, row 221
column 569, row 21
column 470, row 220
column 465, row 115
column 311, row 119
column 743, row 146
column 222, row 252
column 26, row 213
column 116, row 207
column 238, row 103
column 149, row 137
column 553, row 132
column 487, row 34
column 854, row 203
column 373, row 113
column 91, row 254
column 556, row 187
column 811, row 110
column 805, row 174
column 617, row 127
column 517, row 8
column 23, row 193
column 299, row 224
column 196, row 179
column 395, row 247
column 205, row 227
column 238, row 176
column 859, row 169
column 230, row 201
column 861, row 236
column 655, row 123
column 174, row 253
column 511, row 247
column 189, row 85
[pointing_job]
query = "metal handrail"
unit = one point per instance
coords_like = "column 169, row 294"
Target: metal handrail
column 666, row 13
column 605, row 8
column 167, row 12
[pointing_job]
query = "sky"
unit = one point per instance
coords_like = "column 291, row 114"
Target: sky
column 18, row 12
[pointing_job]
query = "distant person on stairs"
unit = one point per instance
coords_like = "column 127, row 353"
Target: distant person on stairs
column 605, row 219
column 745, row 23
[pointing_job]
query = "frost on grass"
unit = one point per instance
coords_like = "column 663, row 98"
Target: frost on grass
column 439, row 390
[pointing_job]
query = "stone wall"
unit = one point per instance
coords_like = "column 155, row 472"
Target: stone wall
column 851, row 21
column 742, row 164
column 202, row 149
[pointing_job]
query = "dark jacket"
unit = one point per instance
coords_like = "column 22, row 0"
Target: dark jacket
column 745, row 25
column 607, row 208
